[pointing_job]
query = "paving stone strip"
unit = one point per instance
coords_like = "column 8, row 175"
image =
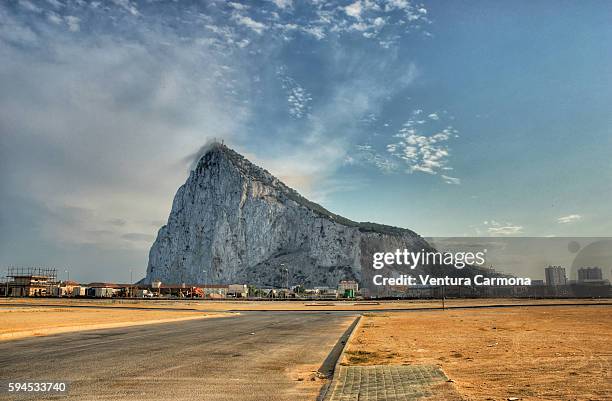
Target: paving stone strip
column 384, row 382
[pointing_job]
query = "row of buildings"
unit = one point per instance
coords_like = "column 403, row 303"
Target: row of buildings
column 42, row 282
column 556, row 276
column 39, row 282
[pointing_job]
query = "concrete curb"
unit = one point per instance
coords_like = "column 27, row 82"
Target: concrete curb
column 333, row 360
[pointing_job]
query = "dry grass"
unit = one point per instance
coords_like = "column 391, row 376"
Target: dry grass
column 553, row 353
column 25, row 322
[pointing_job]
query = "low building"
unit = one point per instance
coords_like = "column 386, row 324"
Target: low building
column 64, row 289
column 348, row 288
column 79, row 291
column 30, row 282
column 326, row 292
column 102, row 290
column 214, row 290
column 238, row 291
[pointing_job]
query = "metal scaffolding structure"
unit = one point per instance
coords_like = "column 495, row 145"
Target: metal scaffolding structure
column 29, row 281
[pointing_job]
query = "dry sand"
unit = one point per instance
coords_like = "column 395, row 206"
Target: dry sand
column 553, row 353
column 22, row 322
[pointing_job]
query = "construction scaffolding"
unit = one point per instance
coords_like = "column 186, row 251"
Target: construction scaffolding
column 29, row 281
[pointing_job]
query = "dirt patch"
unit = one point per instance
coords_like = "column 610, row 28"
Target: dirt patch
column 306, row 377
column 26, row 322
column 555, row 353
column 358, row 357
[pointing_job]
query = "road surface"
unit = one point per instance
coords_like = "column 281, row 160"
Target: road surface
column 254, row 356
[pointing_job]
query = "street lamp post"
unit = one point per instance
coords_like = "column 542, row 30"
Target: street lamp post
column 286, row 270
column 205, row 280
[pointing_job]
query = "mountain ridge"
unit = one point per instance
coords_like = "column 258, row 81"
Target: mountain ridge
column 234, row 222
column 241, row 161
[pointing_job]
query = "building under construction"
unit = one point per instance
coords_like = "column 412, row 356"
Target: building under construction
column 29, row 282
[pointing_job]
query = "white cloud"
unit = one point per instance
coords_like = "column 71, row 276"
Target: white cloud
column 359, row 26
column 398, row 4
column 297, row 97
column 572, row 218
column 247, row 21
column 497, row 228
column 164, row 94
column 451, row 180
column 161, row 98
column 73, row 23
column 29, row 6
column 282, row 4
column 55, row 18
column 127, row 5
column 237, row 6
column 369, row 155
column 422, row 152
column 354, row 10
column 316, row 31
column 55, row 3
column 12, row 31
column 505, row 230
column 420, row 148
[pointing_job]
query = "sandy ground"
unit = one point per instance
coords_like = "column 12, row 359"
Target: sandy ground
column 238, row 305
column 555, row 353
column 25, row 322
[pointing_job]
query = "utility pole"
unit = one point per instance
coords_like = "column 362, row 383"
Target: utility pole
column 443, row 296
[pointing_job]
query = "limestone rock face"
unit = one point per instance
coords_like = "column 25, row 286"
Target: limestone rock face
column 233, row 222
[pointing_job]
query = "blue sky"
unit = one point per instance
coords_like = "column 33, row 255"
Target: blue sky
column 448, row 118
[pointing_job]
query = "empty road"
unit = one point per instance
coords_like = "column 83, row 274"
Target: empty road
column 254, row 356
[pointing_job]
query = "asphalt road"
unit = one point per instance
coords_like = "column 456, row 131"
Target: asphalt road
column 253, row 356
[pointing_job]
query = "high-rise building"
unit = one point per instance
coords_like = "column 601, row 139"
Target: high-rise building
column 555, row 276
column 586, row 274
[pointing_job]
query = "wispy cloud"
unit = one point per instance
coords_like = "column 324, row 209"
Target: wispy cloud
column 571, row 218
column 451, row 180
column 249, row 22
column 151, row 80
column 496, row 228
column 29, row 6
column 297, row 97
column 128, row 6
column 73, row 23
column 421, row 146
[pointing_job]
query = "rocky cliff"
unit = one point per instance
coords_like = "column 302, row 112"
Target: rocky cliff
column 233, row 222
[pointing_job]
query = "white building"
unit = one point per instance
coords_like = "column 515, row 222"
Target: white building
column 348, row 285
